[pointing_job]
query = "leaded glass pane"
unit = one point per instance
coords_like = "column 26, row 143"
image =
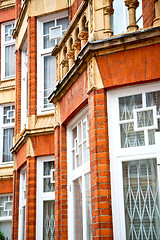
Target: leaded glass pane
column 48, row 220
column 129, row 138
column 145, row 118
column 141, row 199
column 88, row 206
column 151, row 137
column 5, row 206
column 48, row 186
column 127, row 104
column 78, row 215
column 153, row 99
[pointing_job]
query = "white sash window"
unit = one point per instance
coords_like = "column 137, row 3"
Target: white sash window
column 45, row 198
column 7, row 132
column 134, row 122
column 8, row 50
column 79, row 183
column 50, row 29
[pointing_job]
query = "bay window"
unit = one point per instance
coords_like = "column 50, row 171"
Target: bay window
column 45, row 198
column 7, row 132
column 8, row 50
column 49, row 30
column 134, row 124
column 79, row 183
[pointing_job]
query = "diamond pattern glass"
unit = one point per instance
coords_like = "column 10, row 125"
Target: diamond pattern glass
column 141, row 200
column 48, row 220
column 141, row 135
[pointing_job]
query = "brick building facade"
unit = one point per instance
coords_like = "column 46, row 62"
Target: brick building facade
column 87, row 114
column 7, row 106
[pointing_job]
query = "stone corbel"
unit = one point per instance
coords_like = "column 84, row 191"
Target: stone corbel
column 132, row 5
column 77, row 47
column 108, row 11
column 156, row 21
column 64, row 64
column 57, row 114
column 70, row 55
column 83, row 36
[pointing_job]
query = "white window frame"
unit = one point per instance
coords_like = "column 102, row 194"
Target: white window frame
column 3, row 45
column 24, row 82
column 42, row 196
column 2, row 127
column 22, row 204
column 72, row 175
column 41, row 53
column 6, row 218
column 119, row 155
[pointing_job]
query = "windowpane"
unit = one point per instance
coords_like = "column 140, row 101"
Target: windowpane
column 47, row 26
column 7, row 144
column 48, row 43
column 49, row 79
column 9, row 60
column 88, row 206
column 48, row 220
column 127, row 104
column 152, row 99
column 129, row 138
column 63, row 22
column 141, row 199
column 5, row 227
column 78, row 216
column 48, row 176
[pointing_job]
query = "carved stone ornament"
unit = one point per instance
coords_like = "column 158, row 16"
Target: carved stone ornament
column 57, row 114
column 131, row 4
column 6, row 3
column 91, row 81
column 91, row 15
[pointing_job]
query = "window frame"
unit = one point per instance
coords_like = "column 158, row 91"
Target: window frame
column 22, row 204
column 4, row 44
column 24, row 83
column 119, row 155
column 74, row 174
column 41, row 54
column 41, row 195
column 4, row 126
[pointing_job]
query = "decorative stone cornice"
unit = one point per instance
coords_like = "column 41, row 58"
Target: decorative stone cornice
column 4, row 4
column 131, row 4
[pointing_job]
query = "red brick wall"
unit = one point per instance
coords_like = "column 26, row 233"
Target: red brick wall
column 32, row 66
column 75, row 96
column 6, row 186
column 21, row 156
column 148, row 12
column 43, row 145
column 100, row 166
column 15, row 208
column 18, row 93
column 7, row 15
column 61, row 226
column 130, row 67
column 73, row 8
column 18, row 7
column 31, row 199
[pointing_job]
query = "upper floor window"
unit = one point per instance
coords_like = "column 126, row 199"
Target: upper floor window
column 6, row 215
column 79, row 182
column 7, row 132
column 49, row 30
column 8, row 50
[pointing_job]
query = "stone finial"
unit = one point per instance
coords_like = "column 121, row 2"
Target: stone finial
column 132, row 5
